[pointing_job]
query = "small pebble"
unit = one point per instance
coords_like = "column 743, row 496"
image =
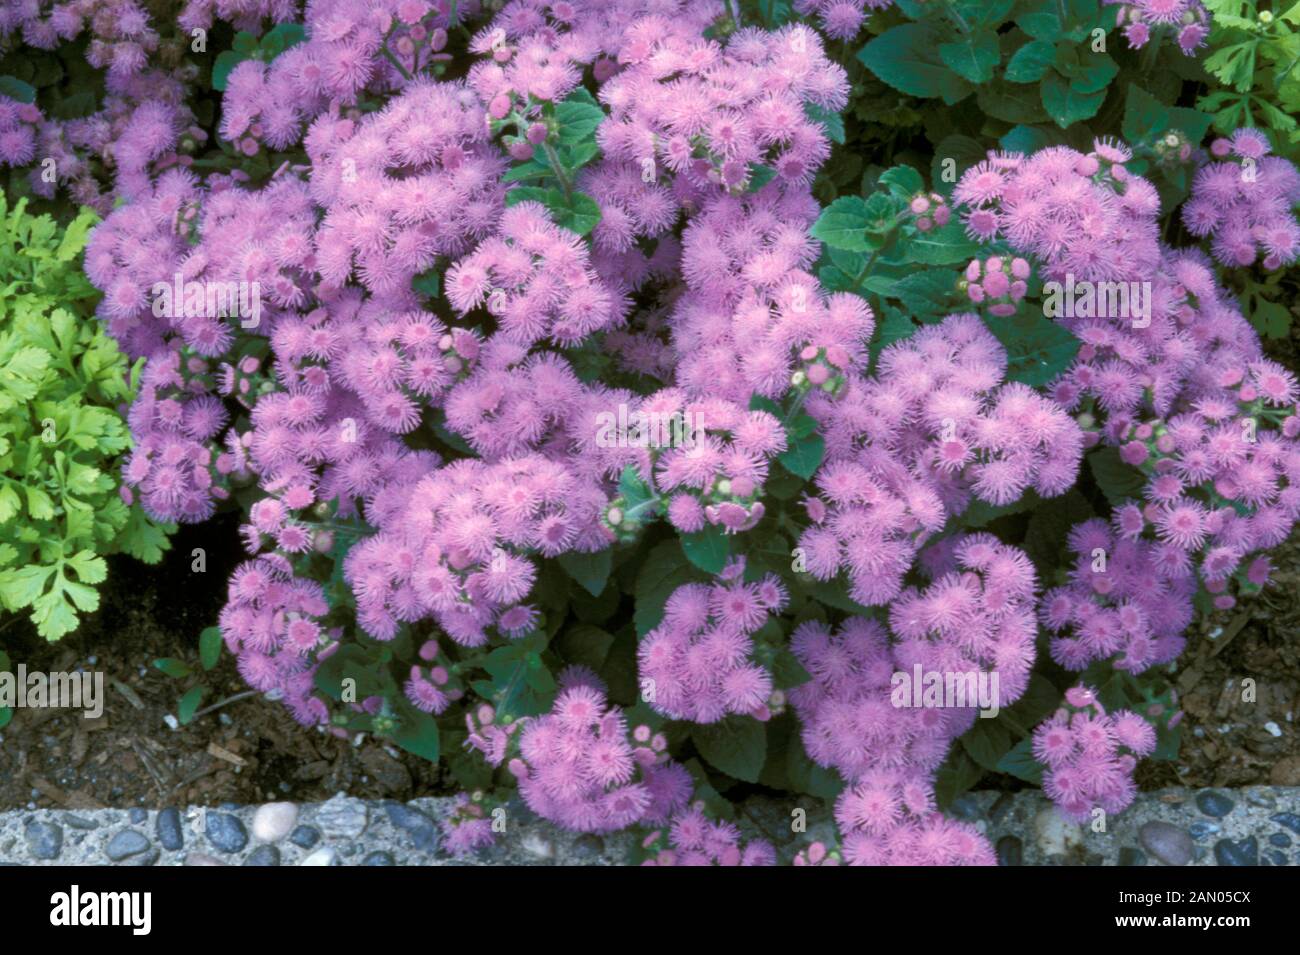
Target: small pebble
column 1273, row 729
column 274, row 821
column 1280, row 839
column 137, row 816
column 1054, row 834
column 79, row 822
column 125, row 844
column 226, row 832
column 168, row 826
column 44, row 839
column 1288, row 819
column 535, row 844
column 1243, row 852
column 202, row 858
column 379, row 858
column 1276, row 856
column 1167, row 842
column 263, row 856
column 304, row 837
column 342, row 817
column 1214, row 803
column 418, row 826
column 322, row 856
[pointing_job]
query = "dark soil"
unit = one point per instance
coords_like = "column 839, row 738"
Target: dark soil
column 248, row 751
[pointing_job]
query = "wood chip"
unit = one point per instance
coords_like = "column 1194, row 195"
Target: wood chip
column 1234, row 628
column 222, row 753
column 48, row 789
column 80, row 743
column 131, row 696
column 80, row 799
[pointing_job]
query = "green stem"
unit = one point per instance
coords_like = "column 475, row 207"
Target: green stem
column 561, row 173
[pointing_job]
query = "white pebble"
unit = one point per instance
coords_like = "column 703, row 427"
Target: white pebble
column 171, row 721
column 322, row 856
column 274, row 821
column 1055, row 834
column 1273, row 728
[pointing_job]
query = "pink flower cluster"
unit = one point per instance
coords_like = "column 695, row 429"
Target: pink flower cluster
column 175, row 466
column 1188, row 21
column 536, row 280
column 699, row 663
column 402, row 186
column 1243, row 202
column 579, row 766
column 1078, row 214
column 456, row 549
column 751, row 304
column 272, row 623
column 887, row 818
column 693, row 839
column 1192, row 338
column 1128, row 599
column 1090, row 755
column 911, row 446
column 840, row 19
column 18, row 125
column 997, row 283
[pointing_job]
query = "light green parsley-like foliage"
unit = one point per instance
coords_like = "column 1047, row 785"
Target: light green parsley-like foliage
column 62, row 381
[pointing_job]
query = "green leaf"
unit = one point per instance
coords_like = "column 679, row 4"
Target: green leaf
column 947, row 245
column 226, row 61
column 1019, row 761
column 707, row 549
column 417, row 733
column 1011, row 102
column 987, row 742
column 210, row 642
column 188, row 704
column 1145, row 117
column 590, row 570
column 832, row 123
column 586, row 645
column 15, row 88
column 280, row 37
column 787, row 671
column 736, row 745
column 906, row 57
column 176, row 669
column 428, row 284
column 1120, row 482
column 957, row 774
column 1093, row 74
column 1030, row 63
column 903, row 182
column 843, row 225
column 90, row 569
column 1065, row 104
column 806, row 776
column 804, row 457
column 663, row 571
column 972, row 56
column 578, row 116
column 1038, row 349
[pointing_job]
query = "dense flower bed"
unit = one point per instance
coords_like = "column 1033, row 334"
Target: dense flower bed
column 606, row 425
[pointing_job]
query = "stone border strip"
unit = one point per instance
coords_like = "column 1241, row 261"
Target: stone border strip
column 1252, row 826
